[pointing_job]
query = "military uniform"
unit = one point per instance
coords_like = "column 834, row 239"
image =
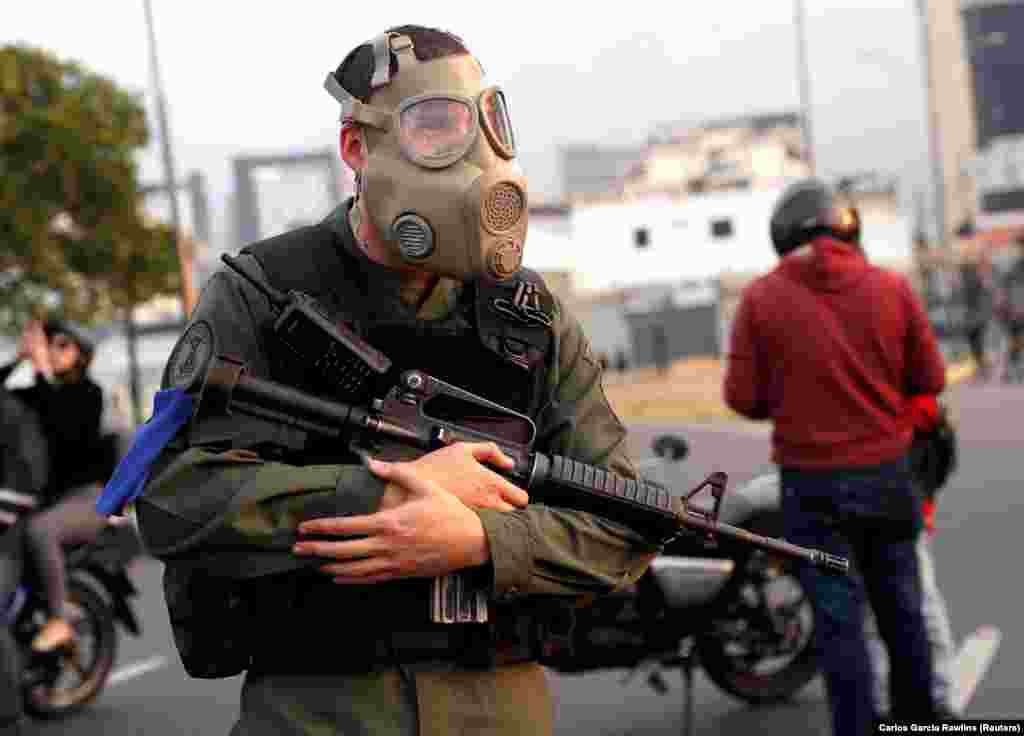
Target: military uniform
column 324, row 658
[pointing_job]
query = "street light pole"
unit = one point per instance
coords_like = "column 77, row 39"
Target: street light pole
column 804, row 77
column 170, row 179
column 170, row 186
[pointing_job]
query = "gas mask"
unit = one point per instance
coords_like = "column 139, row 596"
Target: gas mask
column 441, row 184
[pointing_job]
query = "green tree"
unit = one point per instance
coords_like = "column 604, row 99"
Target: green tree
column 72, row 231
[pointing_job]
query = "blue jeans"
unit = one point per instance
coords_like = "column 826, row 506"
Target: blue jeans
column 873, row 516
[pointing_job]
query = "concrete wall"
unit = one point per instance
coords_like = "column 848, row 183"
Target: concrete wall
column 606, row 327
column 685, row 332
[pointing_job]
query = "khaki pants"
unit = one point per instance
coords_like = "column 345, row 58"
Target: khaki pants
column 508, row 701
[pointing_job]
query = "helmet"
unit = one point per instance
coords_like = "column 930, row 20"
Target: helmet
column 82, row 337
column 807, row 209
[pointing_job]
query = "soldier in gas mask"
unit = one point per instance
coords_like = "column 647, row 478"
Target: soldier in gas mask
column 335, row 632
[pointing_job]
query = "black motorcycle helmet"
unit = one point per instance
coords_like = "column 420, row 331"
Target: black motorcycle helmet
column 808, row 209
column 78, row 333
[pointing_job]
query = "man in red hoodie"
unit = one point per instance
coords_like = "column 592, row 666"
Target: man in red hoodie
column 830, row 349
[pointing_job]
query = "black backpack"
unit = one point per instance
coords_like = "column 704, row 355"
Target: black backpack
column 934, row 454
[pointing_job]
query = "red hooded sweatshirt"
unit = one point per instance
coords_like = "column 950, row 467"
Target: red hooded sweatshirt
column 831, row 348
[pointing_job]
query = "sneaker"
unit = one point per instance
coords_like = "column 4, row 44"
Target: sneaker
column 55, row 634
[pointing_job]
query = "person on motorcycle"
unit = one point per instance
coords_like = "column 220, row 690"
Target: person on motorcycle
column 830, row 348
column 69, row 405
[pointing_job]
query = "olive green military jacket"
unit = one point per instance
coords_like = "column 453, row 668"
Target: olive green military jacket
column 538, row 550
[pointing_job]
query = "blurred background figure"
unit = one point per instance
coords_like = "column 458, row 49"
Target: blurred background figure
column 932, row 465
column 977, row 289
column 1011, row 311
column 69, row 406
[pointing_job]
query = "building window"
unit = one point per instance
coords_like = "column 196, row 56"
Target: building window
column 721, row 227
column 641, row 238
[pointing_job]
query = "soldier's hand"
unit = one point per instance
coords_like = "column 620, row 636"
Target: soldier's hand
column 461, row 469
column 425, row 532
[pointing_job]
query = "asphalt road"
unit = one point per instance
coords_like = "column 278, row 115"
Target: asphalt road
column 977, row 559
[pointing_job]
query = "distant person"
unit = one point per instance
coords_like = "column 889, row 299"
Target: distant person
column 621, row 361
column 977, row 289
column 1011, row 307
column 830, row 349
column 930, row 477
column 70, row 407
column 660, row 349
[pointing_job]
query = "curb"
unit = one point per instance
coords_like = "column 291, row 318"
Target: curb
column 722, row 416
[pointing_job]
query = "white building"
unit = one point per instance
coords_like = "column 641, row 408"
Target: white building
column 664, row 240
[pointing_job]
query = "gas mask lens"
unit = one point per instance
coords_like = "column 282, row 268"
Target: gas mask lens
column 497, row 122
column 436, row 131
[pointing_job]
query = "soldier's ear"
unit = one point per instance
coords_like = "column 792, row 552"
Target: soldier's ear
column 353, row 152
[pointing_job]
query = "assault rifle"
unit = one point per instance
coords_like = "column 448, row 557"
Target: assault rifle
column 421, row 413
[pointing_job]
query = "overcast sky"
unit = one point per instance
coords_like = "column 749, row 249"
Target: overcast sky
column 246, row 77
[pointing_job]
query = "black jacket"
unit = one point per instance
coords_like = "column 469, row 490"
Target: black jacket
column 70, row 416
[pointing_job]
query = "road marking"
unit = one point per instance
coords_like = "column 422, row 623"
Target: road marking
column 136, row 669
column 972, row 662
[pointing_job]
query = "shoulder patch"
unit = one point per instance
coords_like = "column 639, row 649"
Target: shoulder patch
column 190, row 357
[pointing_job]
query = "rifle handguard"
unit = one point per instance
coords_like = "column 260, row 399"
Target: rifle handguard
column 642, row 503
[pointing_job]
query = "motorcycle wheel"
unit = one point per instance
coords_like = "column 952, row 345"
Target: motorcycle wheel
column 761, row 651
column 60, row 684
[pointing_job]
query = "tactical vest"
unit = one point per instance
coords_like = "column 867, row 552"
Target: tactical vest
column 484, row 347
column 492, row 346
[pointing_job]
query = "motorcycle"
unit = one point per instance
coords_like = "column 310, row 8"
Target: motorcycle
column 59, row 683
column 739, row 613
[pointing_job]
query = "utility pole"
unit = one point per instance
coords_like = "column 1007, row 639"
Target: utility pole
column 170, row 187
column 804, row 77
column 170, row 178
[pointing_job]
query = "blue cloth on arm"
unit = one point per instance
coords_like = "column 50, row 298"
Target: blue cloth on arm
column 172, row 407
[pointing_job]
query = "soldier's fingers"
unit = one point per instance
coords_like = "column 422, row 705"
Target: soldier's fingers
column 488, row 453
column 373, row 569
column 352, row 549
column 366, row 524
column 514, row 494
column 497, row 504
column 407, row 476
column 378, row 467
